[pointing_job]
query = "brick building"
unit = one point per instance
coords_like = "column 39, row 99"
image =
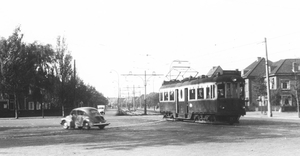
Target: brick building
column 283, row 77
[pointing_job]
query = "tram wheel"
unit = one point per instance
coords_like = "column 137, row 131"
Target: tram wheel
column 212, row 118
column 196, row 118
column 231, row 120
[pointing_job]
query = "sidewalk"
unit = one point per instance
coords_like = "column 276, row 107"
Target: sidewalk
column 275, row 115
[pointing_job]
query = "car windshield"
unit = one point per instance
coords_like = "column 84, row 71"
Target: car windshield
column 94, row 112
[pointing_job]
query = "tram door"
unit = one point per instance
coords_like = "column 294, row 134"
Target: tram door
column 186, row 100
column 176, row 101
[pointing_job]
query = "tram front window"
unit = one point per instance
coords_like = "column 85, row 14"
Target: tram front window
column 221, row 90
column 229, row 90
column 235, row 90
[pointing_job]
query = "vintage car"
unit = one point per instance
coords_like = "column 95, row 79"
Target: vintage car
column 84, row 118
column 101, row 109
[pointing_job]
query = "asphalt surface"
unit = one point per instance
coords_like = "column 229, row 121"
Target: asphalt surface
column 257, row 134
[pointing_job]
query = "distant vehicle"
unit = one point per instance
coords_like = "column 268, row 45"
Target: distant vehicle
column 204, row 99
column 101, row 109
column 84, row 118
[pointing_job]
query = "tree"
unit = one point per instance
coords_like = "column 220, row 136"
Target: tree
column 39, row 60
column 260, row 86
column 42, row 73
column 153, row 99
column 63, row 69
column 12, row 66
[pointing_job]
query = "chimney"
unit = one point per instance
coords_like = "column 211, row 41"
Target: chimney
column 258, row 59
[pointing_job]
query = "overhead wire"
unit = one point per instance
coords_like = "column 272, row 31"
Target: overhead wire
column 245, row 45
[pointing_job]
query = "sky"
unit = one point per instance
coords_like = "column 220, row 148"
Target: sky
column 111, row 38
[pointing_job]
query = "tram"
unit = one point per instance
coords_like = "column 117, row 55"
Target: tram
column 204, row 99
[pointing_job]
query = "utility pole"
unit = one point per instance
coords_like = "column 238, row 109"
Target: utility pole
column 133, row 94
column 268, row 84
column 133, row 99
column 119, row 106
column 295, row 69
column 145, row 84
column 74, row 83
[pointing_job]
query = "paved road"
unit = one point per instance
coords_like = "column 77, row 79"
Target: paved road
column 150, row 135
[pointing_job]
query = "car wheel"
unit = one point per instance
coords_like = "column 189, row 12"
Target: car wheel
column 101, row 127
column 86, row 125
column 65, row 125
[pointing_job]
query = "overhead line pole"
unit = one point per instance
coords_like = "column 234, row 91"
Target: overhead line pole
column 118, row 99
column 145, row 84
column 268, row 84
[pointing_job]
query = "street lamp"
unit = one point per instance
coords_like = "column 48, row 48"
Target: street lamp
column 118, row 89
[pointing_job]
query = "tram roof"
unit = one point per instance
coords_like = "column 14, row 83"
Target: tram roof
column 227, row 76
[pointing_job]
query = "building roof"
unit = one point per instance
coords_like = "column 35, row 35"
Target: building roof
column 281, row 67
column 257, row 68
column 284, row 66
column 214, row 71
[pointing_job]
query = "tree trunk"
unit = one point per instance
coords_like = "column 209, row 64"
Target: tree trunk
column 16, row 106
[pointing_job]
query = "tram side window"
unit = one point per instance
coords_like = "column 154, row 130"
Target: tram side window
column 192, row 94
column 171, row 95
column 242, row 90
column 166, row 96
column 207, row 93
column 161, row 96
column 181, row 94
column 221, row 90
column 212, row 89
column 200, row 93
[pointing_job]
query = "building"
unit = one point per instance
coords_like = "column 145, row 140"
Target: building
column 250, row 74
column 282, row 84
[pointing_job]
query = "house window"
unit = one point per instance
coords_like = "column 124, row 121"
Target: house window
column 38, row 106
column 286, row 100
column 285, row 84
column 46, row 105
column 192, row 94
column 171, row 95
column 272, row 83
column 31, row 105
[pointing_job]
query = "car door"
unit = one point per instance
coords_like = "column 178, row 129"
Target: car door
column 79, row 118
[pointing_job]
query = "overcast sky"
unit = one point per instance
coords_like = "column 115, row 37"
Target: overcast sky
column 119, row 36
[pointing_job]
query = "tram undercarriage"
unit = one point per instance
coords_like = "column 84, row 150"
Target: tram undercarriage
column 202, row 118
